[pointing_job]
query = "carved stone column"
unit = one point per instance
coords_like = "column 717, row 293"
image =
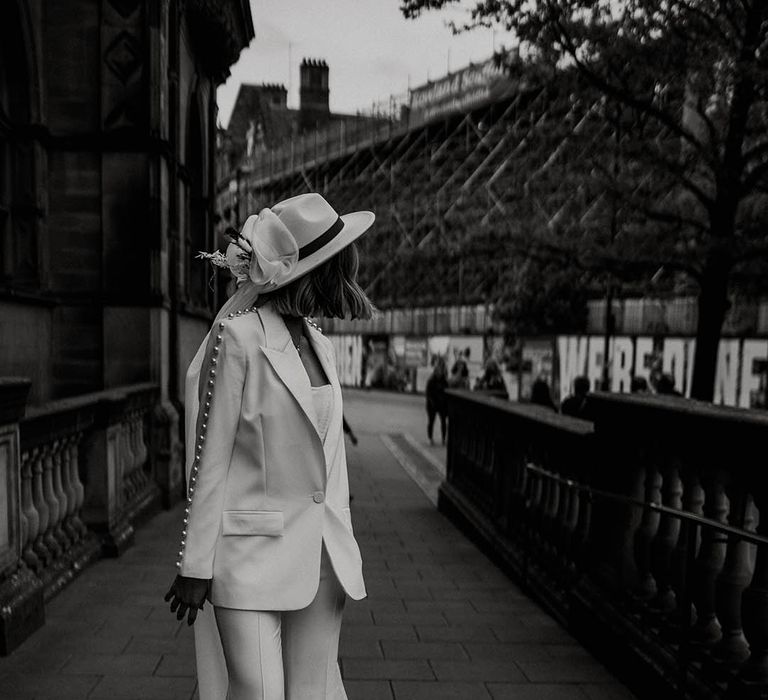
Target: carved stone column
column 754, row 604
column 709, row 562
column 649, row 524
column 30, row 521
column 102, row 509
column 734, row 579
column 663, row 546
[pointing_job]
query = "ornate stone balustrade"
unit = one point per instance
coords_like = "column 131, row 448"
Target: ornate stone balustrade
column 77, row 476
column 641, row 533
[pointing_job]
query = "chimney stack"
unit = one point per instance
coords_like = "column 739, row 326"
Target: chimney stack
column 275, row 94
column 314, row 108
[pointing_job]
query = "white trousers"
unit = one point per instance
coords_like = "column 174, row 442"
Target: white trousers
column 288, row 655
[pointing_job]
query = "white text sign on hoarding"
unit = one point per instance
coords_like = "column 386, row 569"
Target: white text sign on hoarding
column 741, row 364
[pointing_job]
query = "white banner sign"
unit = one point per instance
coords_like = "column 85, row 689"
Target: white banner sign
column 742, row 365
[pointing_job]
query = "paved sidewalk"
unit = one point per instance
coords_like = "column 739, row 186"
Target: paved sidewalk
column 440, row 623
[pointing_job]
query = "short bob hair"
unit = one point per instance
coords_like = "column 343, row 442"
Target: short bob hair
column 329, row 291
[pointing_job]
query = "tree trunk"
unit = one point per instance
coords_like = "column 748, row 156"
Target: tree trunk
column 713, row 298
column 713, row 305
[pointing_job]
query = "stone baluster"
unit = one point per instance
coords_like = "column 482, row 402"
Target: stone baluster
column 556, row 498
column 41, row 545
column 51, row 535
column 137, row 446
column 754, row 604
column 646, row 531
column 709, row 562
column 576, row 503
column 77, row 485
column 121, row 459
column 135, row 465
column 516, row 493
column 564, row 523
column 143, row 464
column 549, row 511
column 129, row 461
column 58, row 456
column 31, row 516
column 733, row 579
column 542, row 494
column 23, row 535
column 666, row 540
column 141, row 449
column 534, row 503
column 528, row 497
column 682, row 579
column 69, row 491
column 622, row 523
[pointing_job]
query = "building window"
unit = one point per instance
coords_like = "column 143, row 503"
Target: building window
column 18, row 211
column 6, row 243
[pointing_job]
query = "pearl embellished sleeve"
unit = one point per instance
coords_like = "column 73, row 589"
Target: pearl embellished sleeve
column 220, row 406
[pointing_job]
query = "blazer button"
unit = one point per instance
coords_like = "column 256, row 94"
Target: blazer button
column 318, row 496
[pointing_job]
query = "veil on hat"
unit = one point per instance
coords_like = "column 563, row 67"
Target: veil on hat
column 211, row 666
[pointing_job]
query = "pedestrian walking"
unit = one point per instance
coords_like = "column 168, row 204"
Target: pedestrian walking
column 491, row 381
column 436, row 386
column 267, row 536
column 576, row 404
column 459, row 378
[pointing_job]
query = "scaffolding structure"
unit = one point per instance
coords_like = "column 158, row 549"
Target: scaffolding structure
column 450, row 194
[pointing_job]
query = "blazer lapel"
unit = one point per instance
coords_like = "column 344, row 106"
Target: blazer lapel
column 282, row 355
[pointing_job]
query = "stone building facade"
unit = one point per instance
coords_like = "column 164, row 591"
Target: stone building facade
column 107, row 156
column 107, row 133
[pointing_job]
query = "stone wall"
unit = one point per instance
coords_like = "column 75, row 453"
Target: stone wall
column 111, row 155
column 119, row 183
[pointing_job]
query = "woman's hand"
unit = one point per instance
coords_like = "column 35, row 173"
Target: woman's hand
column 187, row 594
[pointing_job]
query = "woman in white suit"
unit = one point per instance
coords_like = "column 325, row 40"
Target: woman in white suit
column 267, row 535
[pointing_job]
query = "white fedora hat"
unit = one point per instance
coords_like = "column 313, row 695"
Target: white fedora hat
column 279, row 245
column 318, row 230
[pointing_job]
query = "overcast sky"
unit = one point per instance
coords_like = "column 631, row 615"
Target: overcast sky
column 371, row 49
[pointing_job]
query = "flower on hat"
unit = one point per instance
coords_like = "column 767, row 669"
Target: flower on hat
column 264, row 251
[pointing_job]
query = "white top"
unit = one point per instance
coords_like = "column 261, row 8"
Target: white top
column 322, row 398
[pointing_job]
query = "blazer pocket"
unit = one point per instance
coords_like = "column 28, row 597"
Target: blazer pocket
column 253, row 522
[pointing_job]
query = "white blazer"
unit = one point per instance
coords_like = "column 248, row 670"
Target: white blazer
column 267, row 492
